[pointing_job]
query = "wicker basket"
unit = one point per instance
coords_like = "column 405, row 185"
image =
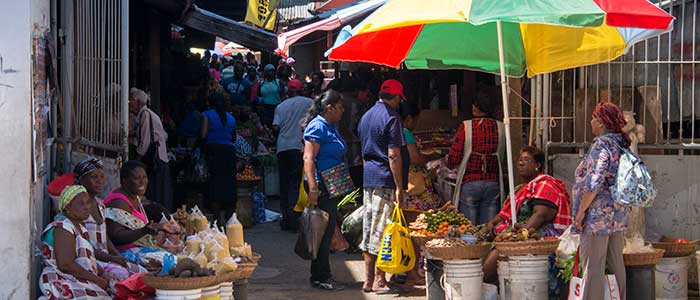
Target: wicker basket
column 676, row 250
column 460, row 252
column 178, row 284
column 244, row 271
column 421, row 240
column 256, row 258
column 643, row 259
column 541, row 247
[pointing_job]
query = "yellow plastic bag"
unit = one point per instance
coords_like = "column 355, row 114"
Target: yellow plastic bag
column 396, row 254
column 303, row 200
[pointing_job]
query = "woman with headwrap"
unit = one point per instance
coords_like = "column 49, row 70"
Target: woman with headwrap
column 601, row 222
column 71, row 270
column 90, row 175
column 127, row 223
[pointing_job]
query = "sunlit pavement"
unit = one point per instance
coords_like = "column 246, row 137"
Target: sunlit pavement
column 282, row 275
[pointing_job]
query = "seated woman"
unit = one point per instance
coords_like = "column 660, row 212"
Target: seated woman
column 127, row 224
column 89, row 174
column 542, row 203
column 70, row 268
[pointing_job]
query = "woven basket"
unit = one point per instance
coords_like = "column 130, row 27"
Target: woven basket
column 244, row 271
column 256, row 258
column 541, row 247
column 460, row 252
column 676, row 250
column 178, row 284
column 643, row 259
column 421, row 240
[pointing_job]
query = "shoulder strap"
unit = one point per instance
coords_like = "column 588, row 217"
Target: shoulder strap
column 463, row 165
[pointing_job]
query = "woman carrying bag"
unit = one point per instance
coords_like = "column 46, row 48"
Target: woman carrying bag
column 327, row 175
column 601, row 221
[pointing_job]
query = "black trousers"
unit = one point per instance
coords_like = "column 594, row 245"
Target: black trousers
column 290, row 167
column 321, row 266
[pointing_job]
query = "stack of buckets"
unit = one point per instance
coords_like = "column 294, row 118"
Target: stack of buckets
column 226, row 290
column 524, row 277
column 179, row 295
column 462, row 279
column 211, row 293
column 671, row 278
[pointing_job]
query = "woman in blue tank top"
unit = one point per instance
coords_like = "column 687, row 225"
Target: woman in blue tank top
column 219, row 135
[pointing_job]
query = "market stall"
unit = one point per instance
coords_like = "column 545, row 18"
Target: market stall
column 210, row 263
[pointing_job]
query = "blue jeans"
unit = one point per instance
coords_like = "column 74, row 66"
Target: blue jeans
column 479, row 201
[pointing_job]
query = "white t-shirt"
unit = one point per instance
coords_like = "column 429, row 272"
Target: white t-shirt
column 289, row 117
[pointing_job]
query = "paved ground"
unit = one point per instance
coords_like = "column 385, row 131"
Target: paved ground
column 282, row 275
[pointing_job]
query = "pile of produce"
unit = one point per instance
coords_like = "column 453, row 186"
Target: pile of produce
column 433, row 223
column 518, row 235
column 187, row 267
column 445, row 243
column 248, row 174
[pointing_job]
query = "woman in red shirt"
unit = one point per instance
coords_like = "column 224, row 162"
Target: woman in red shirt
column 477, row 151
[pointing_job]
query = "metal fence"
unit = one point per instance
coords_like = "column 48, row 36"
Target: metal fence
column 657, row 80
column 100, row 72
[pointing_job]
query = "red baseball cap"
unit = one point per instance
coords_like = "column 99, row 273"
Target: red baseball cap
column 394, row 87
column 295, row 85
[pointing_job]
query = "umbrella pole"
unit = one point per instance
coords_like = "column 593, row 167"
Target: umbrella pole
column 506, row 122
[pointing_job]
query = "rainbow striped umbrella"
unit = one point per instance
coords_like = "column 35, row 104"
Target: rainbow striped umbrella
column 539, row 36
column 500, row 36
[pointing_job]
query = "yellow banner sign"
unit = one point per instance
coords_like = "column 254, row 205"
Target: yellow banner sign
column 262, row 13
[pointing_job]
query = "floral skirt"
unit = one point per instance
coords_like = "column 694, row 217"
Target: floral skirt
column 58, row 285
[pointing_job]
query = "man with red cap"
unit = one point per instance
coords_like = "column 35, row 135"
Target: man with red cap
column 287, row 124
column 381, row 136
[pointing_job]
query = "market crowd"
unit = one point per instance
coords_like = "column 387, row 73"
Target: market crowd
column 355, row 131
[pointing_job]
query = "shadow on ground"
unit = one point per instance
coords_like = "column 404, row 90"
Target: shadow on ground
column 282, row 275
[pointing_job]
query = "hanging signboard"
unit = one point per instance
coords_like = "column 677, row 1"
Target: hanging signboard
column 262, row 13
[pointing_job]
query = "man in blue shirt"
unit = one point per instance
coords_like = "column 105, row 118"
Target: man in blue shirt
column 381, row 136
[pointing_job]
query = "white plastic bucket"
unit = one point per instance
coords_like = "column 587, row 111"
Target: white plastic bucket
column 504, row 280
column 528, row 277
column 463, row 279
column 671, row 275
column 211, row 293
column 226, row 291
column 179, row 295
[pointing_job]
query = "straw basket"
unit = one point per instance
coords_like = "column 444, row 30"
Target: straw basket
column 420, row 240
column 541, row 247
column 676, row 250
column 178, row 284
column 256, row 257
column 643, row 259
column 244, row 271
column 460, row 252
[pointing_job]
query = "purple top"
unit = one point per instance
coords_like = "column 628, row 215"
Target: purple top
column 596, row 173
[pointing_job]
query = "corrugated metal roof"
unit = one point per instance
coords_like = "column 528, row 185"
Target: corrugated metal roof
column 293, row 10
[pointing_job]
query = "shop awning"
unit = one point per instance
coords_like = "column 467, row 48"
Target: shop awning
column 342, row 16
column 249, row 36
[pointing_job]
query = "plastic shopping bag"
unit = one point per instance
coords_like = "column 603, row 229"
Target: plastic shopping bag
column 577, row 285
column 312, row 226
column 396, row 254
column 352, row 226
column 303, row 200
column 339, row 243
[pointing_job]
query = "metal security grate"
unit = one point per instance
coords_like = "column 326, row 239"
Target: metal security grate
column 99, row 73
column 657, row 80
